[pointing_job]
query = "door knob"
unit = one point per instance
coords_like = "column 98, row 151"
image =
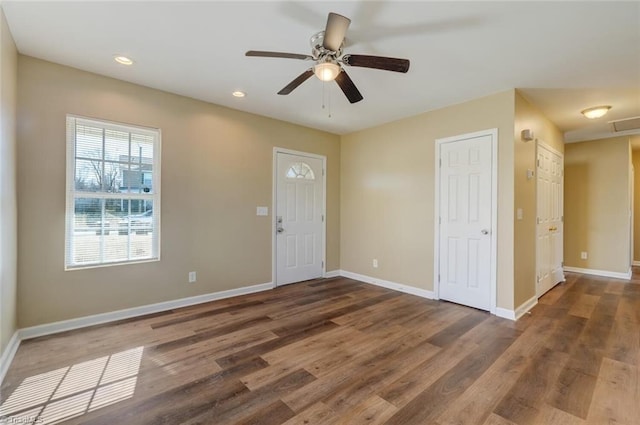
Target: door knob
column 279, row 227
column 484, row 231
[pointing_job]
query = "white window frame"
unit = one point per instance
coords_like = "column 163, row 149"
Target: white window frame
column 72, row 194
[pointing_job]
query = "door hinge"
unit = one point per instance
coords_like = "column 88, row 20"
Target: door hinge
column 537, row 163
column 440, row 162
column 439, row 220
column 323, row 264
column 322, row 217
column 323, row 171
column 438, row 278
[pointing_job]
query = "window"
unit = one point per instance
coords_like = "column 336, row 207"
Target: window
column 113, row 193
column 300, row 170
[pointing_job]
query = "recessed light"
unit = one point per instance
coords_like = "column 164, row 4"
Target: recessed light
column 123, row 60
column 239, row 94
column 596, row 112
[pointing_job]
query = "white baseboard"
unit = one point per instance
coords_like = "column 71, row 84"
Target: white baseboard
column 505, row 313
column 519, row 311
column 332, row 273
column 500, row 312
column 98, row 319
column 8, row 354
column 389, row 285
column 636, row 263
column 526, row 306
column 603, row 273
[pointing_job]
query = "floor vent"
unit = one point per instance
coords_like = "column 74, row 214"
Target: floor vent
column 626, row 124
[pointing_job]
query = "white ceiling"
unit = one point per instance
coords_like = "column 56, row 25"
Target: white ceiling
column 566, row 56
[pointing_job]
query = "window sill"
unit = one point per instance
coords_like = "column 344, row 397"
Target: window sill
column 115, row 263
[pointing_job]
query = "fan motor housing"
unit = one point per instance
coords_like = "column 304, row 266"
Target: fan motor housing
column 319, row 51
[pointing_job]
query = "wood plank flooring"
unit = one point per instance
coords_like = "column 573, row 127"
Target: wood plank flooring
column 338, row 351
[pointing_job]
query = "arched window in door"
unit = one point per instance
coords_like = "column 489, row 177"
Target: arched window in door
column 300, row 170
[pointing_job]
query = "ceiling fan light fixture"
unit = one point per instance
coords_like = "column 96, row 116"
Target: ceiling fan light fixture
column 326, row 71
column 596, row 112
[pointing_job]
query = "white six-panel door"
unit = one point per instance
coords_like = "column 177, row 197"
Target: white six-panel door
column 298, row 218
column 549, row 229
column 465, row 221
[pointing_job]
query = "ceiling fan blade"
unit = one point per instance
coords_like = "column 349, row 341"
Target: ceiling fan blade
column 295, row 83
column 348, row 88
column 277, row 55
column 335, row 31
column 377, row 62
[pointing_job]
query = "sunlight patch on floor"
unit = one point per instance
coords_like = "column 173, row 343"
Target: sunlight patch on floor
column 68, row 392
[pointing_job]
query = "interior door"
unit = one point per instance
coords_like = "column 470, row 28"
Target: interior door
column 299, row 219
column 550, row 176
column 465, row 211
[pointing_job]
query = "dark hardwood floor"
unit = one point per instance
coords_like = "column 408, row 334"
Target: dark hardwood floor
column 338, row 351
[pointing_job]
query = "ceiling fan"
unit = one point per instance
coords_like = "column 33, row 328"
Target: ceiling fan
column 326, row 52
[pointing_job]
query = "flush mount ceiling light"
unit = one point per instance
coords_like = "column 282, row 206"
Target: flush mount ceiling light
column 596, row 112
column 239, row 94
column 123, row 60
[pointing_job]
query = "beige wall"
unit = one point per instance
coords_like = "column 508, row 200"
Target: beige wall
column 527, row 116
column 636, row 199
column 8, row 213
column 216, row 168
column 387, row 192
column 597, row 204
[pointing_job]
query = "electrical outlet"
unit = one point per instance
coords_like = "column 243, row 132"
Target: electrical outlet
column 583, row 255
column 192, row 277
column 375, row 263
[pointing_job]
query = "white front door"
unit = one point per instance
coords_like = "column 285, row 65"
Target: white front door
column 299, row 218
column 465, row 220
column 549, row 219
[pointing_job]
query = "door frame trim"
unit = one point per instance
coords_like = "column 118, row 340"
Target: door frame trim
column 549, row 148
column 493, row 133
column 274, row 187
column 541, row 143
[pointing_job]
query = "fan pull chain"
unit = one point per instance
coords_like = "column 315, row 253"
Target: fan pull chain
column 329, row 101
column 326, row 94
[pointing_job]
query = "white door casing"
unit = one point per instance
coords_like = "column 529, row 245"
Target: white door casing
column 298, row 216
column 466, row 221
column 549, row 218
column 632, row 180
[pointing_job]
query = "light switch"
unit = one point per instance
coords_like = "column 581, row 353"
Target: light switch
column 262, row 211
column 519, row 213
